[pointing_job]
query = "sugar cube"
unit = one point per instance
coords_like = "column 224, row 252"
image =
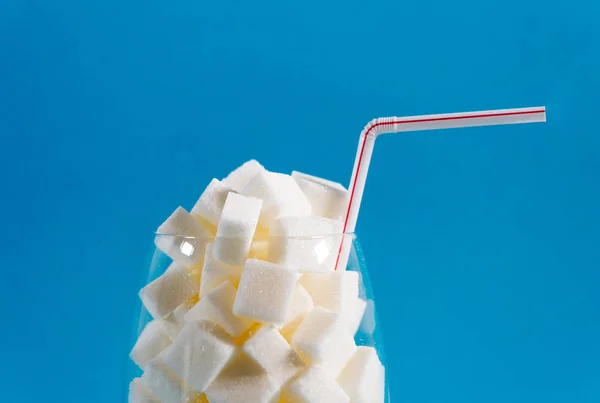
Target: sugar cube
column 210, row 204
column 152, row 341
column 168, row 291
column 217, row 307
column 240, row 177
column 308, row 244
column 331, row 290
column 280, row 194
column 323, row 338
column 363, row 378
column 176, row 317
column 265, row 292
column 273, row 353
column 215, row 272
column 139, row 393
column 199, row 354
column 338, row 292
column 300, row 305
column 243, row 381
column 328, row 199
column 182, row 238
column 352, row 314
column 315, row 385
column 165, row 385
column 368, row 322
column 236, row 229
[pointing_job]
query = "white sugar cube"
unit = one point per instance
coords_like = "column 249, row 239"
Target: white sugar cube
column 300, row 305
column 328, row 199
column 217, row 307
column 323, row 338
column 236, row 229
column 352, row 314
column 265, row 292
column 307, row 244
column 152, row 341
column 363, row 378
column 243, row 381
column 165, row 385
column 176, row 317
column 211, row 202
column 280, row 194
column 332, row 290
column 215, row 272
column 368, row 323
column 239, row 178
column 315, row 385
column 182, row 238
column 273, row 353
column 139, row 393
column 199, row 354
column 338, row 292
column 168, row 291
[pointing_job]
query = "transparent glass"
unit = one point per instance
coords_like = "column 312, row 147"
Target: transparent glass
column 241, row 327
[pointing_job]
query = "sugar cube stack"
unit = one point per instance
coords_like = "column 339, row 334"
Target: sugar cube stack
column 252, row 308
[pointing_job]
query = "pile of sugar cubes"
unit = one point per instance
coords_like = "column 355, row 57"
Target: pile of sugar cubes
column 252, row 308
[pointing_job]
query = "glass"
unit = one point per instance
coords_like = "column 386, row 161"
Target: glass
column 190, row 255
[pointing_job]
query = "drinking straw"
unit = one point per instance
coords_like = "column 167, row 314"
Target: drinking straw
column 380, row 126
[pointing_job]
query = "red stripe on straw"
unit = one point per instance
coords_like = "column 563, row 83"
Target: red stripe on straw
column 422, row 120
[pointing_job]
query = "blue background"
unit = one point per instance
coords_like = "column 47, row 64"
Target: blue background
column 483, row 243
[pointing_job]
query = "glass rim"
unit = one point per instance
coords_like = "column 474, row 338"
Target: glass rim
column 213, row 237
